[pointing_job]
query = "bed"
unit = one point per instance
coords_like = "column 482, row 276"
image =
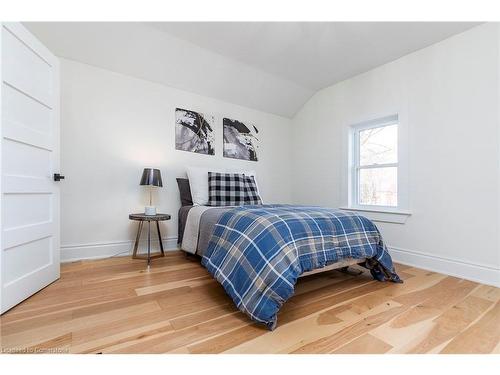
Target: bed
column 201, row 228
column 257, row 252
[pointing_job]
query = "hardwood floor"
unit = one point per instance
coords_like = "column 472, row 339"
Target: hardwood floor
column 116, row 306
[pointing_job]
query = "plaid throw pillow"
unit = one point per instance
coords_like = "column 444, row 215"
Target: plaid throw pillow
column 251, row 193
column 226, row 189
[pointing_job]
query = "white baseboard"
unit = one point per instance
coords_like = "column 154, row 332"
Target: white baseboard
column 475, row 272
column 72, row 253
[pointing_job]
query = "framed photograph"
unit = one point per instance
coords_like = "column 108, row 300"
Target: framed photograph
column 194, row 132
column 240, row 140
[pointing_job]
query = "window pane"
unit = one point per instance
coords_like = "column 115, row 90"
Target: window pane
column 378, row 186
column 378, row 145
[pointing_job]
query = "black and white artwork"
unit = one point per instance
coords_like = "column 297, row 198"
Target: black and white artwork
column 240, row 140
column 194, row 132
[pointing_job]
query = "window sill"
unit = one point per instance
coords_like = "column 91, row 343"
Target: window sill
column 381, row 215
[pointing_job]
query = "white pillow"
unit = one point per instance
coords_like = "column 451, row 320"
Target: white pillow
column 198, row 182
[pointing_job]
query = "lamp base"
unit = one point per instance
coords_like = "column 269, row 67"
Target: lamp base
column 150, row 210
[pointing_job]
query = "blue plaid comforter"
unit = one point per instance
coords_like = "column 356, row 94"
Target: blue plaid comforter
column 258, row 252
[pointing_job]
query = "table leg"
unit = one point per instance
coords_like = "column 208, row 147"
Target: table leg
column 159, row 238
column 137, row 238
column 149, row 244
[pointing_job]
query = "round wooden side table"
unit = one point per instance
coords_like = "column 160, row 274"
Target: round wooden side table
column 141, row 218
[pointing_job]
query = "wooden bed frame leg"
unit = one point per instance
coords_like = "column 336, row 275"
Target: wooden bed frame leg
column 349, row 271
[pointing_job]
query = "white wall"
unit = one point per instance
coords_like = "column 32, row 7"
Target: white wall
column 447, row 99
column 446, row 96
column 113, row 126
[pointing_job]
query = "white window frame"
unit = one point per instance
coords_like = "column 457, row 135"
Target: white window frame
column 357, row 167
column 391, row 214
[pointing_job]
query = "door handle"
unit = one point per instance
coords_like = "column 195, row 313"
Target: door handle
column 58, row 177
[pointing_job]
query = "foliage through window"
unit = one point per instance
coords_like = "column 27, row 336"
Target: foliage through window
column 375, row 163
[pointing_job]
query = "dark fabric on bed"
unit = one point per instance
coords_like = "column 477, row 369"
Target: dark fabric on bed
column 183, row 214
column 252, row 196
column 185, row 192
column 226, row 189
column 258, row 252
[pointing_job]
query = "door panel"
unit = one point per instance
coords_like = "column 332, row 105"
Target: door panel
column 25, row 111
column 26, row 119
column 23, row 159
column 25, row 69
column 29, row 158
column 37, row 251
column 17, row 184
column 17, row 236
column 40, row 209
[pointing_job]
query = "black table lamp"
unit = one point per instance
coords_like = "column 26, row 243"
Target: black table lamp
column 151, row 177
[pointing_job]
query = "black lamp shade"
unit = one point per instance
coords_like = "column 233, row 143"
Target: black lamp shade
column 152, row 177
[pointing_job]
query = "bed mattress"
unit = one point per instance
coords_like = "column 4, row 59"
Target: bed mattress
column 207, row 222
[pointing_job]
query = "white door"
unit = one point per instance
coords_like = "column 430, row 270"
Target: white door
column 29, row 134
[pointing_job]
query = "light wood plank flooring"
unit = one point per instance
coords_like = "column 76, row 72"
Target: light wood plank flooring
column 116, row 306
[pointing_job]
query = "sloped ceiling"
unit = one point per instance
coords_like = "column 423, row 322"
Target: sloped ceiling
column 272, row 67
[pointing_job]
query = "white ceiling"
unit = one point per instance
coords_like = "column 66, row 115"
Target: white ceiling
column 273, row 67
column 313, row 54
